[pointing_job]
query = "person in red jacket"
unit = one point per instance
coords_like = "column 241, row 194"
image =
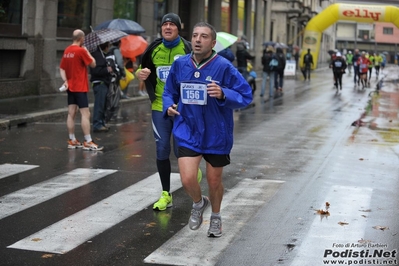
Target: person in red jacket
column 363, row 62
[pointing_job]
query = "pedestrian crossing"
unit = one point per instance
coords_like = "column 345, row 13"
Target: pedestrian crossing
column 41, row 192
column 239, row 204
column 8, row 169
column 74, row 230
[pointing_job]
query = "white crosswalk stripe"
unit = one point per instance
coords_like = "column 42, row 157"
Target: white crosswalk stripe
column 41, row 192
column 9, row 169
column 74, row 230
column 239, row 204
column 189, row 247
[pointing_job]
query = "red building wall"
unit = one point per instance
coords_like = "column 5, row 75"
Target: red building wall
column 380, row 37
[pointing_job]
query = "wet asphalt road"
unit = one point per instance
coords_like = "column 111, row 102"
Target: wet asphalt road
column 301, row 144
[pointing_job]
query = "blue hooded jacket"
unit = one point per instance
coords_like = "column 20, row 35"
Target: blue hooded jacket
column 206, row 129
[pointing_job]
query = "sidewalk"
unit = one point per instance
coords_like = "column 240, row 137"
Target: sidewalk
column 23, row 110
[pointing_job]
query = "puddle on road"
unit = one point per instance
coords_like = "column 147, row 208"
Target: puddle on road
column 381, row 115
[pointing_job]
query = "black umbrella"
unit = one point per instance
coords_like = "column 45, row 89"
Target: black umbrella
column 269, row 43
column 331, row 52
column 125, row 25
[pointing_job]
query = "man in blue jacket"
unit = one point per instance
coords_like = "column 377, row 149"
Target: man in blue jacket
column 201, row 92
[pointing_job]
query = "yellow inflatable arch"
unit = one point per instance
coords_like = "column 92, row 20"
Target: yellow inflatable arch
column 335, row 12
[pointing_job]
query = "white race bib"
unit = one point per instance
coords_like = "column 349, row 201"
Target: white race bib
column 193, row 93
column 163, row 72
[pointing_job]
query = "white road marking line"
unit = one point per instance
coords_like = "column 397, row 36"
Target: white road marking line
column 345, row 203
column 9, row 169
column 25, row 198
column 74, row 230
column 189, row 247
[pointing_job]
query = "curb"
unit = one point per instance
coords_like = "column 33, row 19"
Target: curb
column 47, row 116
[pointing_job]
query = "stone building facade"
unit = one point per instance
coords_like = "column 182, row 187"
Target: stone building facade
column 34, row 33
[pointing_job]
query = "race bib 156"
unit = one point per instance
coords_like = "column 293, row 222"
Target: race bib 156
column 193, row 93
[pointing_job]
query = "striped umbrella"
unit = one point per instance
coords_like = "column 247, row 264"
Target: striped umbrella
column 95, row 38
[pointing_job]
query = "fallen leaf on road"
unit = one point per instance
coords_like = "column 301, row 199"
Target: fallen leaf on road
column 342, row 223
column 361, row 159
column 46, row 256
column 379, row 227
column 322, row 212
column 44, row 148
column 152, row 224
column 36, row 239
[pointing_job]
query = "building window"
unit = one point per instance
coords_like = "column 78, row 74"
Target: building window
column 125, row 9
column 10, row 63
column 73, row 14
column 10, row 17
column 364, row 34
column 387, row 31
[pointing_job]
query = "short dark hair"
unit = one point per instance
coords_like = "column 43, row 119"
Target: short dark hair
column 205, row 24
column 103, row 46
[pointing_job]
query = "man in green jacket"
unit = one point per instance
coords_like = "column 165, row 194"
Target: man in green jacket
column 154, row 70
column 349, row 61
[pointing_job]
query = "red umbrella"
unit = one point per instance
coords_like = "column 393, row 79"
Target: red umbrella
column 133, row 46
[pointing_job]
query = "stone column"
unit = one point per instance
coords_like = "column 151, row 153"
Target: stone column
column 258, row 36
column 268, row 17
column 214, row 13
column 197, row 14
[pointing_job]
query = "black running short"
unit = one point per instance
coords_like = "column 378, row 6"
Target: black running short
column 78, row 98
column 216, row 160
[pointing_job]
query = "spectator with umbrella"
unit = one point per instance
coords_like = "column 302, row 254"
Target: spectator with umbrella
column 132, row 47
column 224, row 41
column 243, row 56
column 103, row 74
column 101, row 78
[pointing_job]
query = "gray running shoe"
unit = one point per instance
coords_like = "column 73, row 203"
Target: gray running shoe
column 215, row 227
column 196, row 215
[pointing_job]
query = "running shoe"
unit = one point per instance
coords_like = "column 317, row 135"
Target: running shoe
column 196, row 215
column 74, row 144
column 91, row 146
column 215, row 227
column 165, row 201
